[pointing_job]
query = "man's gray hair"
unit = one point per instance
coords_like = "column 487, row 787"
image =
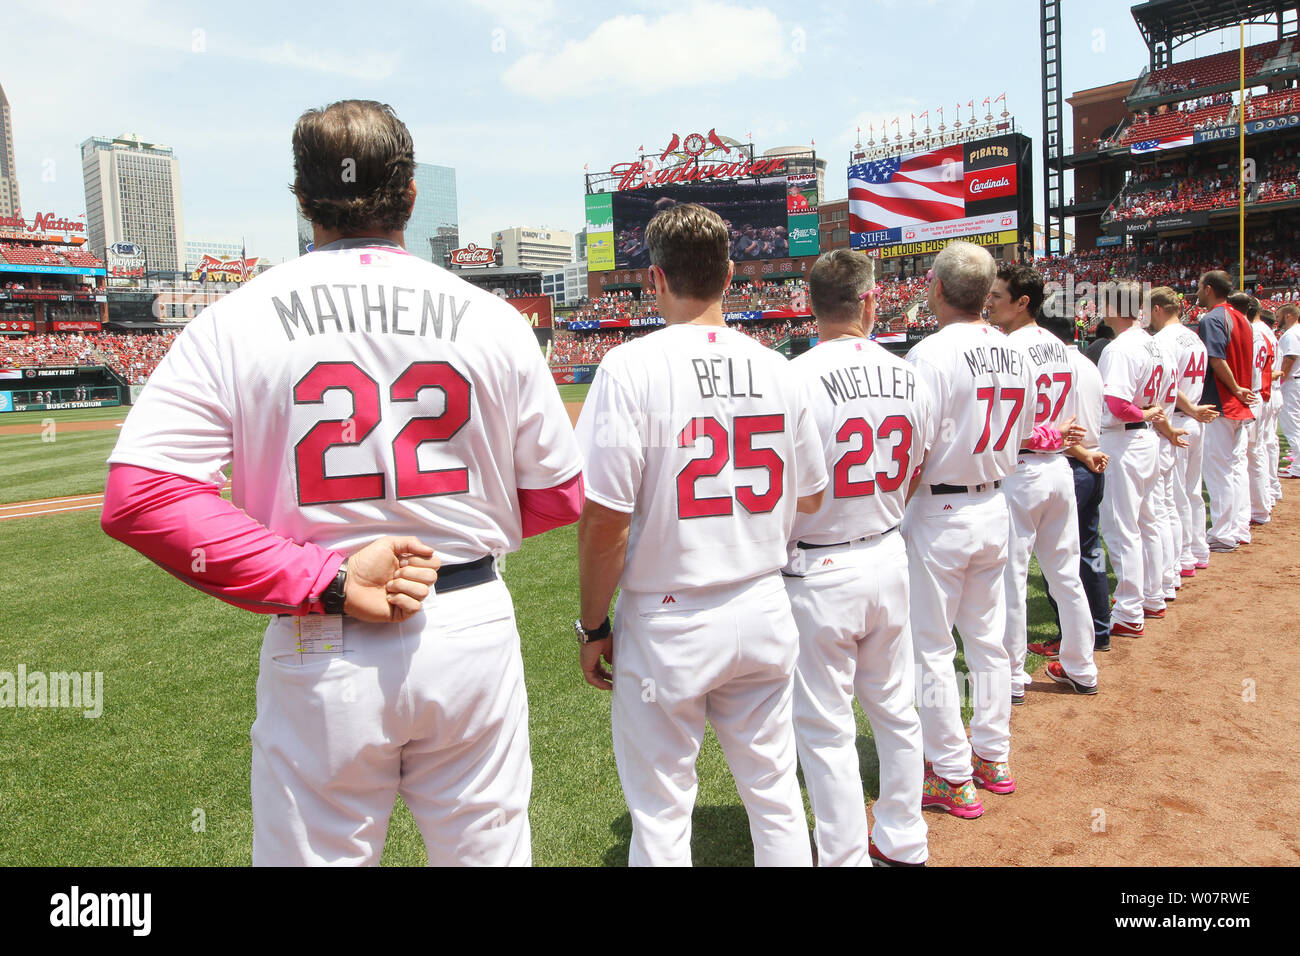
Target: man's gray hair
column 967, row 273
column 837, row 282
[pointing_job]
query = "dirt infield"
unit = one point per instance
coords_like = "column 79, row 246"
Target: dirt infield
column 1186, row 757
column 35, row 428
column 574, row 409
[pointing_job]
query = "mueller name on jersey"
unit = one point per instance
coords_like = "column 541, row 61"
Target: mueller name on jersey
column 994, row 359
column 394, row 310
column 858, row 381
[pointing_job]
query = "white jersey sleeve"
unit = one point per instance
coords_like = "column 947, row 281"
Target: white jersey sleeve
column 546, row 451
column 611, row 423
column 182, row 421
column 812, row 476
column 1087, row 402
column 1052, row 374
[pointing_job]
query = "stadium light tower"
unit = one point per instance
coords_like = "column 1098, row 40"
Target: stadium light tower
column 1053, row 132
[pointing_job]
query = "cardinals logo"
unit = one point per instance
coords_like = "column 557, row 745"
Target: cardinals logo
column 694, row 145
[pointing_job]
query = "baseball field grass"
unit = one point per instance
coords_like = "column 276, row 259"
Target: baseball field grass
column 161, row 775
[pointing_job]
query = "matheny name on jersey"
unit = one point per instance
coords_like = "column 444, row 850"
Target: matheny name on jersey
column 859, row 381
column 359, row 307
column 993, row 358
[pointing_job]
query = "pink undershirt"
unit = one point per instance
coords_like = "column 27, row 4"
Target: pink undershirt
column 187, row 528
column 1123, row 409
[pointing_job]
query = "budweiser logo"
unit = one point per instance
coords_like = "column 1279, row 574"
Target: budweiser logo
column 978, row 186
column 472, row 255
column 636, row 175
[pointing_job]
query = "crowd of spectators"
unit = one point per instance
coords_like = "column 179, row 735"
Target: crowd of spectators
column 46, row 255
column 134, row 357
column 1190, row 185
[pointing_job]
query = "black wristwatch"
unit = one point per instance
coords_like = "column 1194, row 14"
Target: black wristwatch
column 598, row 634
column 331, row 598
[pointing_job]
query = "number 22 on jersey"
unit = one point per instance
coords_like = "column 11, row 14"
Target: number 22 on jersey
column 317, row 488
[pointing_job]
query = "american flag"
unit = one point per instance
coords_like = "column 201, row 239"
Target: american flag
column 900, row 190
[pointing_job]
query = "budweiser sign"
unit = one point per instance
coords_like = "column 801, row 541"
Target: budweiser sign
column 473, row 255
column 690, row 167
column 212, row 269
column 636, row 175
column 44, row 222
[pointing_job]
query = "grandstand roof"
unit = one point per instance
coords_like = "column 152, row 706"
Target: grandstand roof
column 1176, row 19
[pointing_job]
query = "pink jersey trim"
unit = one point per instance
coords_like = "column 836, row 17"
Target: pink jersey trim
column 545, row 508
column 1123, row 409
column 190, row 531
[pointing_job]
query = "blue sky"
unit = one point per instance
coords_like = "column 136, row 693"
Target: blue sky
column 516, row 95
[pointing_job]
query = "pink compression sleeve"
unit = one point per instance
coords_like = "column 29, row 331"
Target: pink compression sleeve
column 1124, row 410
column 1045, row 438
column 547, row 508
column 190, row 531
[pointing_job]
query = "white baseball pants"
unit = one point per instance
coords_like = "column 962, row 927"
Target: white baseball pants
column 851, row 606
column 1224, row 470
column 1169, row 526
column 1187, row 492
column 956, row 557
column 433, row 708
column 1273, row 447
column 1128, row 521
column 1045, row 521
column 725, row 655
column 1289, row 418
column 1258, row 479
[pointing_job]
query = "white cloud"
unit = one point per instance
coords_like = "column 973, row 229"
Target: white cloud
column 707, row 44
column 526, row 22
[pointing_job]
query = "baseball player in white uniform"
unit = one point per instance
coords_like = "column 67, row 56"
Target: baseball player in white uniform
column 956, row 528
column 1132, row 373
column 1273, row 373
column 360, row 391
column 847, row 577
column 1257, row 451
column 699, row 448
column 1180, row 467
column 1040, row 492
column 1288, row 348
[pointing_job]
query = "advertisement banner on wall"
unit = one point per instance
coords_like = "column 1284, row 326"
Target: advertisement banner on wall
column 536, row 309
column 6, row 401
column 600, row 232
column 573, row 374
column 803, row 235
column 928, row 246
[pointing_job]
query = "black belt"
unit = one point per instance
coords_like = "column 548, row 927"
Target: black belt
column 964, row 489
column 1134, row 426
column 804, row 546
column 453, row 577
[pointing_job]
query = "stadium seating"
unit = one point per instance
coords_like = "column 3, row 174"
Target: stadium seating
column 1207, row 71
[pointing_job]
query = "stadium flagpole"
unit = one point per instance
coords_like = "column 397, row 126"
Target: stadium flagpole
column 1241, row 161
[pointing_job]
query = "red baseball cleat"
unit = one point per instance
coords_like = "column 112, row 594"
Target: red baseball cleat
column 1120, row 629
column 1188, row 572
column 1049, row 649
column 1155, row 613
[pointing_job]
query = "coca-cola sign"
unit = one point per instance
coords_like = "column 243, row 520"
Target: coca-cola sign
column 44, row 222
column 473, row 255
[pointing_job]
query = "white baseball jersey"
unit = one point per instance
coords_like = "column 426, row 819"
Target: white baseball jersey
column 703, row 436
column 876, row 421
column 1190, row 358
column 1289, row 344
column 1258, row 354
column 361, row 391
column 1168, row 372
column 983, row 397
column 1052, row 375
column 1265, row 345
column 1087, row 400
column 1132, row 368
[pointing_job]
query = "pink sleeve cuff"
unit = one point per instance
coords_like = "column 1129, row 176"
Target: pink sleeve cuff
column 190, row 531
column 1123, row 409
column 546, row 508
column 1045, row 438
